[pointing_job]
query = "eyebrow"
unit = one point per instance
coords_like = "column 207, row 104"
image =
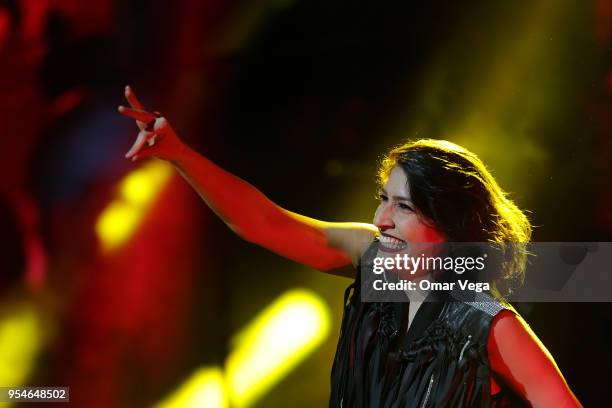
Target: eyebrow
column 396, row 197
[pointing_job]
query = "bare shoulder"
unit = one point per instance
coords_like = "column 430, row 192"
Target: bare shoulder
column 509, row 331
column 523, row 363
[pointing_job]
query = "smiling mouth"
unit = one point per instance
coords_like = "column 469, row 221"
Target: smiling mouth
column 391, row 244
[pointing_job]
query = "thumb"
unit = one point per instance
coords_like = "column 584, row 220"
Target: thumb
column 142, row 137
column 149, row 151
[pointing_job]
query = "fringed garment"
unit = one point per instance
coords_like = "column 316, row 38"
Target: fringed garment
column 441, row 361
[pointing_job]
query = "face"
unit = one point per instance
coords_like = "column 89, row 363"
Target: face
column 397, row 217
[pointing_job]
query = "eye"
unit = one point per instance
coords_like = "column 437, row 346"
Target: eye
column 404, row 206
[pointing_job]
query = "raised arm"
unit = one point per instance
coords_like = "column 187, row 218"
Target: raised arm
column 328, row 247
column 522, row 362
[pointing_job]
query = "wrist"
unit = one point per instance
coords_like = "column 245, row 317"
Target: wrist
column 181, row 154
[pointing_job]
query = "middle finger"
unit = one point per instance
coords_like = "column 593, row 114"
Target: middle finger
column 132, row 99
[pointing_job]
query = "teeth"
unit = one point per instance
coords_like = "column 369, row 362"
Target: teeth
column 392, row 243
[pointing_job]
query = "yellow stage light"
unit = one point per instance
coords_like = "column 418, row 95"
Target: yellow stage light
column 20, row 343
column 140, row 187
column 205, row 388
column 117, row 223
column 278, row 339
column 138, row 190
column 274, row 343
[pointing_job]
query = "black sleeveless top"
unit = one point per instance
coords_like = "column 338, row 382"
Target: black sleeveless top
column 441, row 361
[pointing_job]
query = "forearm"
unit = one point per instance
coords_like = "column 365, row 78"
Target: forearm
column 239, row 204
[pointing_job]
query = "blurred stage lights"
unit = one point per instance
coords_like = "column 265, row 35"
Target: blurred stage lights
column 274, row 343
column 21, row 337
column 205, row 388
column 277, row 340
column 137, row 191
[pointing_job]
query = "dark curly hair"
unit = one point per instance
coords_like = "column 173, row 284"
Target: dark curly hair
column 455, row 193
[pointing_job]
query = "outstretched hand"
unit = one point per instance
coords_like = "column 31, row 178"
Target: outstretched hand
column 156, row 137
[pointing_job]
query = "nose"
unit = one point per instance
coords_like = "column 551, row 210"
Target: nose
column 383, row 218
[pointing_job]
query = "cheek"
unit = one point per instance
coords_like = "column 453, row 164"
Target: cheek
column 413, row 230
column 376, row 214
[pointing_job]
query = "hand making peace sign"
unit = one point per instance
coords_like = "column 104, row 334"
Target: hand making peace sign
column 156, row 137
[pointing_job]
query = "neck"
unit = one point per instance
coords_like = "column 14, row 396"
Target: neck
column 417, row 295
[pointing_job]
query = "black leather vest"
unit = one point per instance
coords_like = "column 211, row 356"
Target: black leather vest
column 441, row 361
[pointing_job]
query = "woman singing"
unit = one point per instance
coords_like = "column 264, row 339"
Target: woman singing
column 417, row 354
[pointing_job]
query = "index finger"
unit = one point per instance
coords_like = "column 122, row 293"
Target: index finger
column 139, row 115
column 132, row 99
